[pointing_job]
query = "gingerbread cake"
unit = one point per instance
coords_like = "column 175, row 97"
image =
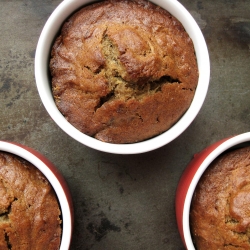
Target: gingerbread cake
column 29, row 210
column 123, row 71
column 220, row 210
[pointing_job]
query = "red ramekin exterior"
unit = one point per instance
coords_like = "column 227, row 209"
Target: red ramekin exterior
column 56, row 173
column 186, row 180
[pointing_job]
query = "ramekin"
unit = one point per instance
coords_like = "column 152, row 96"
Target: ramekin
column 56, row 180
column 191, row 177
column 43, row 81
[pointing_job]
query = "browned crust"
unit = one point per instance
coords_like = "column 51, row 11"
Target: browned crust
column 123, row 71
column 220, row 212
column 29, row 211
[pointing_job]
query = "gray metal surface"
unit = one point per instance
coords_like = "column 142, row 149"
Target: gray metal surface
column 125, row 202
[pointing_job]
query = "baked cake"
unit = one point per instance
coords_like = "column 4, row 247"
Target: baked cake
column 220, row 210
column 29, row 210
column 123, row 71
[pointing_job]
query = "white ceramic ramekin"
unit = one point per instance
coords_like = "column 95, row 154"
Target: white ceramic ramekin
column 191, row 177
column 49, row 32
column 56, row 180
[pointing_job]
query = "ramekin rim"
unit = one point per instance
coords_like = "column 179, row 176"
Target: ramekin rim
column 131, row 148
column 224, row 146
column 23, row 152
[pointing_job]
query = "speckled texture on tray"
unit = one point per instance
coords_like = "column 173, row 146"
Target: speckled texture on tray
column 125, row 202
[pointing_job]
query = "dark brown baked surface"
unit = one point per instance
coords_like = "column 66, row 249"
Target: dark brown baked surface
column 220, row 211
column 123, row 71
column 29, row 211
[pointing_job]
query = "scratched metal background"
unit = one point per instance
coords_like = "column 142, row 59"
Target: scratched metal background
column 125, row 202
